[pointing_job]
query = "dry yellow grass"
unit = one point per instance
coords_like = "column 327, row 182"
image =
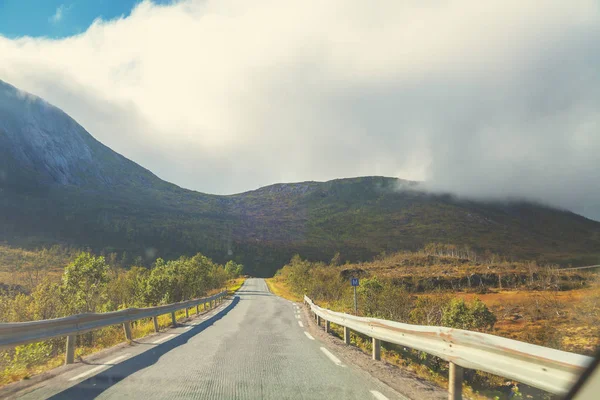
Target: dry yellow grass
column 234, row 285
column 281, row 289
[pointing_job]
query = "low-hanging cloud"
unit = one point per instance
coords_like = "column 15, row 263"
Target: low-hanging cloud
column 483, row 99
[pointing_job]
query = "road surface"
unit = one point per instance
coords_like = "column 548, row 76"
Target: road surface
column 253, row 347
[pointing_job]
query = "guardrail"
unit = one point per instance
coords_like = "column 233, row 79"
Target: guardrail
column 548, row 369
column 17, row 333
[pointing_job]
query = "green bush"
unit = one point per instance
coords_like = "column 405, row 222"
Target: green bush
column 474, row 316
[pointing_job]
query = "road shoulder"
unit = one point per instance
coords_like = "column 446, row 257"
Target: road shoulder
column 404, row 382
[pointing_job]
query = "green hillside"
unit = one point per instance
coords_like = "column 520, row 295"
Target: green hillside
column 358, row 217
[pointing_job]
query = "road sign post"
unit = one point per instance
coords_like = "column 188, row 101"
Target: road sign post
column 354, row 282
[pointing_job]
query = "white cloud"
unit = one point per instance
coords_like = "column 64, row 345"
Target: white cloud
column 486, row 98
column 58, row 14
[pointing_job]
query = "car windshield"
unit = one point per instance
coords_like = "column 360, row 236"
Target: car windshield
column 226, row 199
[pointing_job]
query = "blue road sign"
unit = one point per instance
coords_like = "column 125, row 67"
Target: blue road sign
column 354, row 281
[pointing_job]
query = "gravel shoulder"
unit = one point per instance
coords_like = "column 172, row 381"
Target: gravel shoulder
column 404, row 382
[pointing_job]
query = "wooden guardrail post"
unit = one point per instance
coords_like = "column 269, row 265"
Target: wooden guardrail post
column 70, row 352
column 346, row 335
column 155, row 321
column 376, row 349
column 455, row 382
column 127, row 329
column 173, row 319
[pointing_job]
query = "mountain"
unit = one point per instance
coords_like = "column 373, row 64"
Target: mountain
column 58, row 185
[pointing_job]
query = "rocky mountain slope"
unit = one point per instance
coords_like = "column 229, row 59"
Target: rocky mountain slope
column 60, row 185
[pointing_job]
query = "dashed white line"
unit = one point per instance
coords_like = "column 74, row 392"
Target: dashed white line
column 333, row 358
column 301, row 324
column 378, row 395
column 309, row 336
column 99, row 367
column 164, row 339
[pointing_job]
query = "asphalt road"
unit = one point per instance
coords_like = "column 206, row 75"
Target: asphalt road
column 253, row 347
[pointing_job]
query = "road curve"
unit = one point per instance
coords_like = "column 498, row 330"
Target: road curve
column 254, row 348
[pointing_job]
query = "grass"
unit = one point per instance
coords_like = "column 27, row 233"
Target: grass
column 281, row 289
column 235, row 285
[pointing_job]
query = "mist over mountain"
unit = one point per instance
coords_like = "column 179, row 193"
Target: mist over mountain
column 59, row 185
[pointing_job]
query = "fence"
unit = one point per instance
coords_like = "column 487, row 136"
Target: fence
column 17, row 333
column 548, row 369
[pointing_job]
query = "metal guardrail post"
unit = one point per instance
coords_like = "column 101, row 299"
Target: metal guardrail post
column 327, row 326
column 187, row 312
column 346, row 335
column 155, row 321
column 455, row 382
column 197, row 309
column 376, row 349
column 127, row 329
column 70, row 351
column 318, row 320
column 173, row 319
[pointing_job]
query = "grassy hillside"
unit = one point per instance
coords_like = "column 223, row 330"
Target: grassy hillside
column 360, row 218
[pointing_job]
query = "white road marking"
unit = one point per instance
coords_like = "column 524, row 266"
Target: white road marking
column 164, row 339
column 301, row 324
column 309, row 336
column 333, row 358
column 99, row 367
column 187, row 328
column 378, row 395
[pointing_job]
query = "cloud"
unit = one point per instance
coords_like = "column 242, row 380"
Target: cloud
column 483, row 99
column 58, row 15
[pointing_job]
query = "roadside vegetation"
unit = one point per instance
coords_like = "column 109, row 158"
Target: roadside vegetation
column 91, row 284
column 445, row 285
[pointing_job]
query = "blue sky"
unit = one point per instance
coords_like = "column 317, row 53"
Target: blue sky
column 58, row 18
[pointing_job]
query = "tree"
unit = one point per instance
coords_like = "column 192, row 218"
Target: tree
column 370, row 292
column 84, row 284
column 457, row 315
column 474, row 316
column 483, row 318
column 233, row 269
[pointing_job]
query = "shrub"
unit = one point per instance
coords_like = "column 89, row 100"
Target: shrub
column 474, row 316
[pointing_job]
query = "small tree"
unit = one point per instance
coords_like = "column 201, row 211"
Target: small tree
column 457, row 315
column 84, row 284
column 474, row 316
column 370, row 292
column 483, row 318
